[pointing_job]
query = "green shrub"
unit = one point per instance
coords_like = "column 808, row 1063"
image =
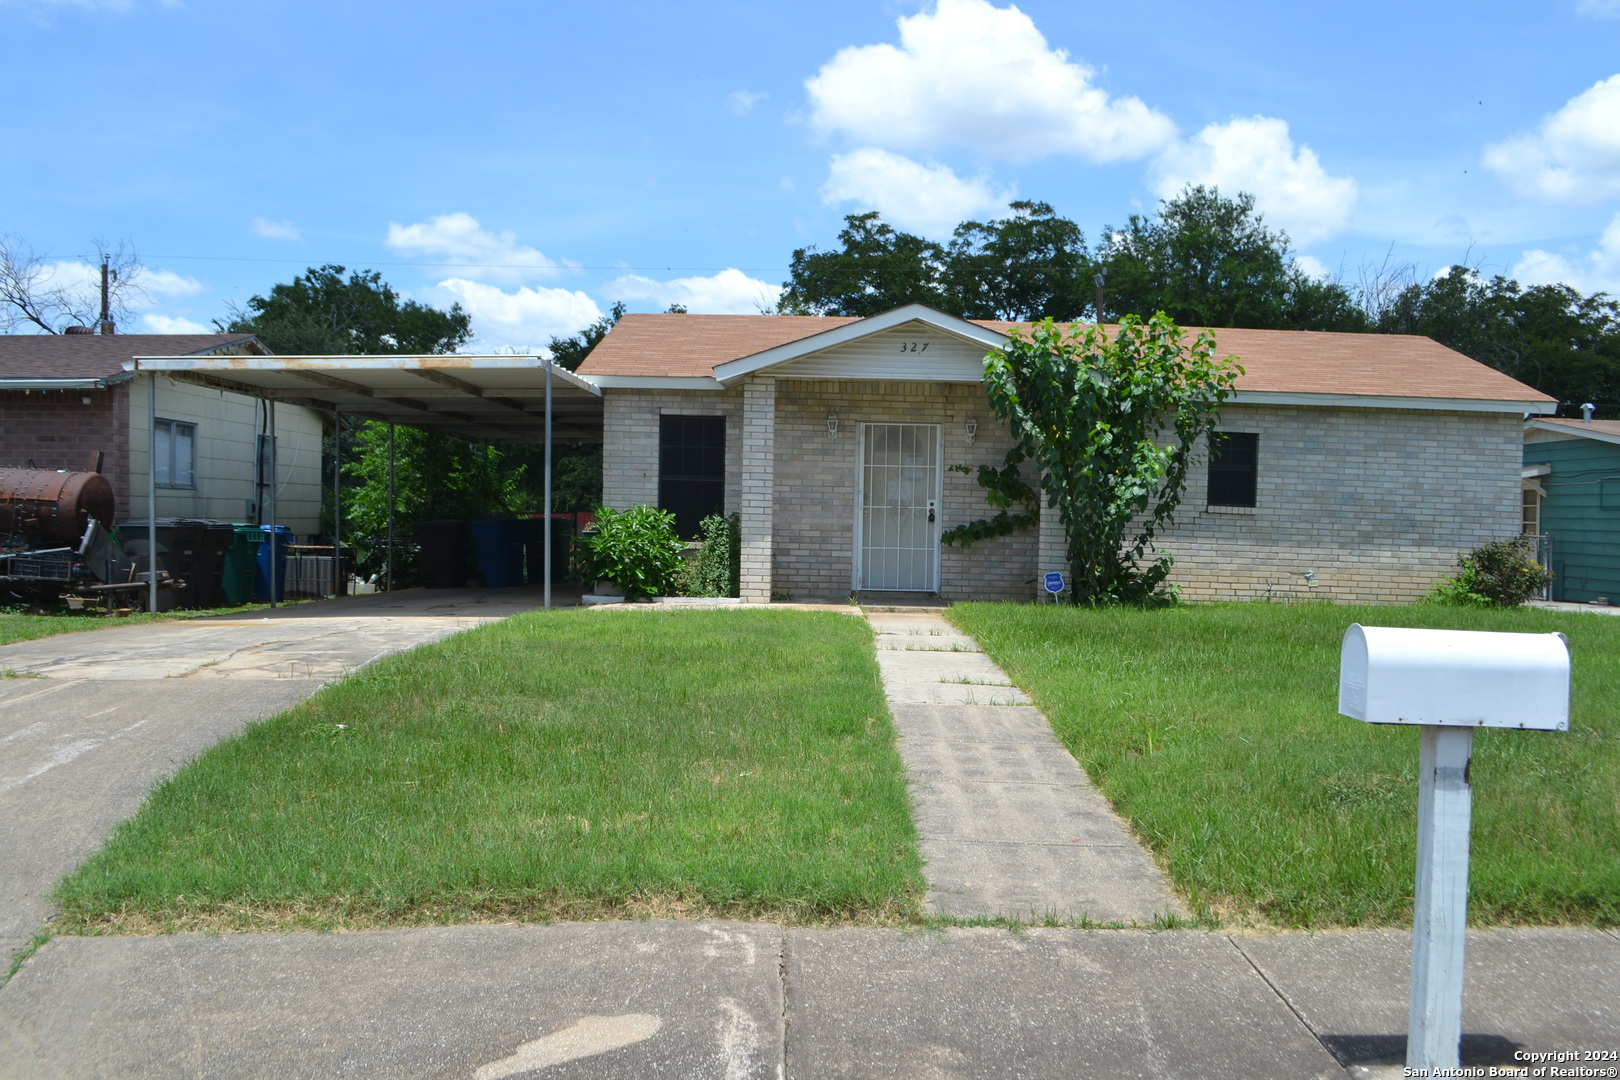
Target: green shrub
column 636, row 549
column 716, row 569
column 1503, row 573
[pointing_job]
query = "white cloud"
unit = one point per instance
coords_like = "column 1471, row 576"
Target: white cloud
column 1257, row 155
column 928, row 199
column 164, row 284
column 1573, row 157
column 1313, row 267
column 163, row 324
column 523, row 320
column 275, row 230
column 1597, row 271
column 969, row 73
column 1598, row 9
column 458, row 240
column 742, row 102
column 730, row 292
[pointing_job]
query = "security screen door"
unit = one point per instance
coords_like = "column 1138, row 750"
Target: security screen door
column 900, row 477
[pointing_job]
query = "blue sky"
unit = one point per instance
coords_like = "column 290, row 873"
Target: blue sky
column 538, row 161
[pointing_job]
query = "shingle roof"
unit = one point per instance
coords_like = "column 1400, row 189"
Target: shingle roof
column 1606, row 427
column 1281, row 361
column 97, row 356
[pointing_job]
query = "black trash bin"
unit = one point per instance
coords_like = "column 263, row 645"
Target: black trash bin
column 444, row 553
column 562, row 536
column 182, row 553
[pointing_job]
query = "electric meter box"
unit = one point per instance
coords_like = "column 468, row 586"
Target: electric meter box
column 1454, row 678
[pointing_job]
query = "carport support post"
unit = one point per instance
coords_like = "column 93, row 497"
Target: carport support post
column 275, row 546
column 388, row 567
column 337, row 502
column 151, row 492
column 545, row 573
column 1440, row 904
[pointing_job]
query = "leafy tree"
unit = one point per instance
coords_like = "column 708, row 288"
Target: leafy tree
column 1026, row 266
column 435, row 478
column 570, row 352
column 878, row 268
column 1549, row 336
column 1207, row 260
column 1090, row 411
column 321, row 311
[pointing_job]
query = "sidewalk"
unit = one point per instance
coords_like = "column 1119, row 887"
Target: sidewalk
column 1007, row 822
column 735, row 1000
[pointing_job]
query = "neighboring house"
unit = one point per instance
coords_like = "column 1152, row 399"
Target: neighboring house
column 65, row 397
column 1358, row 466
column 1571, row 481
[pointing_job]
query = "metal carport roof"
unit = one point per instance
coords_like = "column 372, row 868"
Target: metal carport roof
column 482, row 398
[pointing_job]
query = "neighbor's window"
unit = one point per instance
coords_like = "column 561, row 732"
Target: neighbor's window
column 176, row 454
column 691, row 469
column 1234, row 460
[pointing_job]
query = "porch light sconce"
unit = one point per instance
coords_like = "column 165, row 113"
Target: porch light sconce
column 972, row 429
column 832, row 425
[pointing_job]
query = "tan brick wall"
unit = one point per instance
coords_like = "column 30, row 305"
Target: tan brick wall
column 1377, row 503
column 815, row 485
column 630, row 440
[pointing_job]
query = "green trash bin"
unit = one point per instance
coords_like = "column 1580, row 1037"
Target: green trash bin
column 240, row 560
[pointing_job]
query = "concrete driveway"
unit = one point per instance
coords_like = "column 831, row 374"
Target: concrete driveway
column 97, row 718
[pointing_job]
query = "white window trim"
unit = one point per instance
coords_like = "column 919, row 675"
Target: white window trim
column 174, row 426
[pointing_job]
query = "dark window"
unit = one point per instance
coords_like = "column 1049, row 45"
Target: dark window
column 176, row 454
column 1234, row 465
column 691, row 469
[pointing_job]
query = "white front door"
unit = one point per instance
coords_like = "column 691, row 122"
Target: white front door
column 898, row 517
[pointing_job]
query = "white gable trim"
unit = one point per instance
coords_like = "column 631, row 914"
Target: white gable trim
column 1572, row 432
column 653, row 382
column 827, row 339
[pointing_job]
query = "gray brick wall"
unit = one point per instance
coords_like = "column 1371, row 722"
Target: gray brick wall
column 630, row 440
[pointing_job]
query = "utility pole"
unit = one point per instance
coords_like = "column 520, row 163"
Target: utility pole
column 1097, row 280
column 106, row 326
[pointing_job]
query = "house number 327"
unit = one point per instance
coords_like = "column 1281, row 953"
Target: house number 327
column 914, row 346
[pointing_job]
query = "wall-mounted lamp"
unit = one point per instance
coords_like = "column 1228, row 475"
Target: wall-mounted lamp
column 972, row 429
column 832, row 425
column 1310, row 579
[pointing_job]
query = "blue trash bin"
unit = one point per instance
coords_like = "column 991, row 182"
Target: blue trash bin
column 498, row 551
column 261, row 565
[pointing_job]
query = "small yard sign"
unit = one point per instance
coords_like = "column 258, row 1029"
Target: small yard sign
column 1054, row 582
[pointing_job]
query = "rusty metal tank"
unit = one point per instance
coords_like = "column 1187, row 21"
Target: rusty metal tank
column 44, row 507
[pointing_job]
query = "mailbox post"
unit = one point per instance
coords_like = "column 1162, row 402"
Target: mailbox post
column 1448, row 682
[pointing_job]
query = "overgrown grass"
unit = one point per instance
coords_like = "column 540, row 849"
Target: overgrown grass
column 1214, row 729
column 555, row 765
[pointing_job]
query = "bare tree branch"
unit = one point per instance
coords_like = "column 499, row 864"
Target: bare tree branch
column 52, row 295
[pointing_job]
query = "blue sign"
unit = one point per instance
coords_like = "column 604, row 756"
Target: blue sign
column 1054, row 582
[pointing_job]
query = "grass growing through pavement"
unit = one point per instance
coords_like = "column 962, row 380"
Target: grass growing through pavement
column 18, row 626
column 1214, row 729
column 570, row 764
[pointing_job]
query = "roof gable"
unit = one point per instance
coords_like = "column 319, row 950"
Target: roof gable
column 1556, row 428
column 871, row 346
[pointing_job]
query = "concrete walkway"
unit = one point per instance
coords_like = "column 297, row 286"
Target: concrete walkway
column 109, row 713
column 746, row 1000
column 1008, row 823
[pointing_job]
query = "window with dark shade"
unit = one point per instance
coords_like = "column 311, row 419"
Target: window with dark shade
column 691, row 469
column 1234, row 467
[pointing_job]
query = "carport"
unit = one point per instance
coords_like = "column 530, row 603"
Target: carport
column 476, row 398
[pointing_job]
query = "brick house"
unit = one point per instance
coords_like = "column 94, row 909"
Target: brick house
column 64, row 397
column 1359, row 465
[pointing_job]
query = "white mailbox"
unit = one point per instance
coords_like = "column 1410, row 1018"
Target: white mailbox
column 1448, row 682
column 1454, row 678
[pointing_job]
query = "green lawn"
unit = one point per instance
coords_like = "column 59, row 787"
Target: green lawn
column 566, row 764
column 1214, row 729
